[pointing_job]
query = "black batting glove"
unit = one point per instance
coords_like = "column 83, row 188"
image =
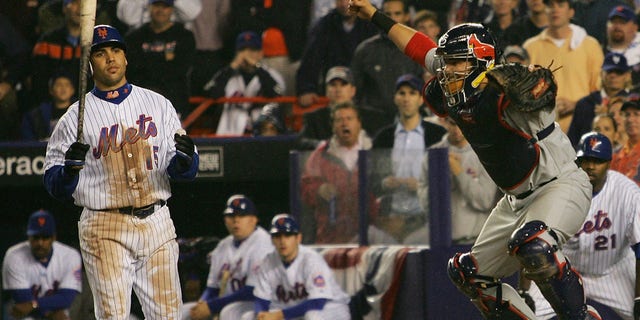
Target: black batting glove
column 74, row 158
column 636, row 308
column 524, row 294
column 185, row 150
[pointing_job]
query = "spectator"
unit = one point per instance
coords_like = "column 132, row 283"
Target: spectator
column 516, row 54
column 232, row 262
column 504, row 15
column 462, row 11
column 567, row 45
column 606, row 125
column 285, row 37
column 473, row 193
column 270, row 122
column 295, row 282
column 244, row 77
column 426, row 22
column 627, row 159
column 603, row 248
column 57, row 51
column 317, row 124
column 322, row 7
column 50, row 16
column 377, row 63
column 210, row 32
column 41, row 275
column 615, row 105
column 591, row 15
column 616, row 78
column 329, row 186
column 527, row 26
column 397, row 176
column 332, row 42
column 623, row 37
column 14, row 55
column 160, row 53
column 135, row 13
column 38, row 124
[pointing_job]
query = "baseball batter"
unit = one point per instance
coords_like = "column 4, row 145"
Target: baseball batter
column 42, row 275
column 600, row 250
column 295, row 282
column 232, row 263
column 120, row 175
column 507, row 114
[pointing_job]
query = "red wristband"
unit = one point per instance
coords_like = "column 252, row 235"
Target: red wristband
column 418, row 47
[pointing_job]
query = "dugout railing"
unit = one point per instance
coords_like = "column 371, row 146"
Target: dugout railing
column 292, row 111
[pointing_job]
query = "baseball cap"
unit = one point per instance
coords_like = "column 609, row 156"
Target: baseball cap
column 41, row 223
column 410, row 80
column 167, row 2
column 284, row 223
column 624, row 12
column 239, row 204
column 517, row 51
column 615, row 61
column 248, row 39
column 339, row 72
column 594, row 145
column 104, row 35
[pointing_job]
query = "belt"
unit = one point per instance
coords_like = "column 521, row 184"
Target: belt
column 528, row 193
column 141, row 212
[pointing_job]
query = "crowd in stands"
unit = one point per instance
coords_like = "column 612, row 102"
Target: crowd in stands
column 187, row 48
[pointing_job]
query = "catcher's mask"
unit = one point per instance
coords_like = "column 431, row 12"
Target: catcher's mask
column 466, row 52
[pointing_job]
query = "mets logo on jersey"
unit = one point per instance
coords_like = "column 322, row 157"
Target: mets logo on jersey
column 103, row 33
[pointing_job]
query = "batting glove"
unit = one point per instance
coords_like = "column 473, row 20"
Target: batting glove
column 185, row 150
column 636, row 308
column 74, row 158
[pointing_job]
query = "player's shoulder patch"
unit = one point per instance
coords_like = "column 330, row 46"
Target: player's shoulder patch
column 319, row 281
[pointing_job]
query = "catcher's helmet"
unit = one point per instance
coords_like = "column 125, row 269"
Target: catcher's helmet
column 594, row 145
column 106, row 35
column 241, row 205
column 284, row 223
column 469, row 42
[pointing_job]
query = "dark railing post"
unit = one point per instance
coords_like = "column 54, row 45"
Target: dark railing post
column 363, row 196
column 294, row 185
column 439, row 198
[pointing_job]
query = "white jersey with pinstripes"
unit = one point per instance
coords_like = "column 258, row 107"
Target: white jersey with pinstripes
column 239, row 261
column 600, row 250
column 131, row 147
column 21, row 270
column 307, row 277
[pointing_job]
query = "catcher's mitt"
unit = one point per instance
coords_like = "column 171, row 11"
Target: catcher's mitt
column 529, row 88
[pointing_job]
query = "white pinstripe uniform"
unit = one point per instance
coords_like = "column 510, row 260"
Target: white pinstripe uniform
column 600, row 250
column 131, row 144
column 21, row 270
column 239, row 261
column 307, row 277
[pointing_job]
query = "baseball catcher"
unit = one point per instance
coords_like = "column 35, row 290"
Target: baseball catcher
column 507, row 115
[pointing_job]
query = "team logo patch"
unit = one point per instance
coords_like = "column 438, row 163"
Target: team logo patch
column 42, row 221
column 102, row 33
column 319, row 281
column 77, row 274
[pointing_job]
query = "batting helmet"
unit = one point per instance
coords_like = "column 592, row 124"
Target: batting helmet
column 106, row 35
column 595, row 145
column 239, row 204
column 284, row 223
column 471, row 42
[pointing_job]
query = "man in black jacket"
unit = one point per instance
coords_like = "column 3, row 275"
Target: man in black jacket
column 397, row 174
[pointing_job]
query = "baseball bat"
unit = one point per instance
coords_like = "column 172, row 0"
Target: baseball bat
column 87, row 22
